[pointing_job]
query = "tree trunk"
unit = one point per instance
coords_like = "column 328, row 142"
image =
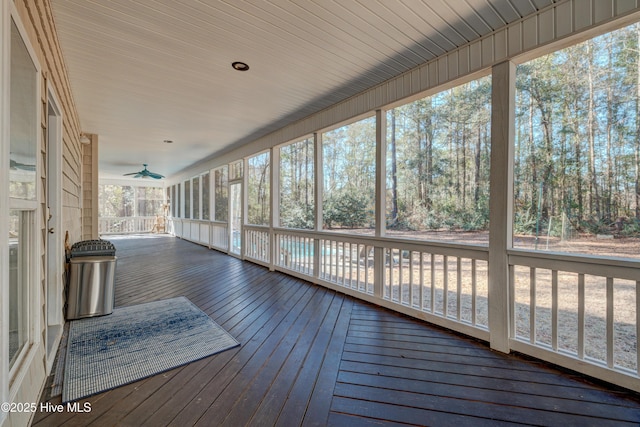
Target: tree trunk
column 594, row 204
column 476, row 189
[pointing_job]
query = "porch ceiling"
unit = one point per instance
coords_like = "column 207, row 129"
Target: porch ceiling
column 146, row 71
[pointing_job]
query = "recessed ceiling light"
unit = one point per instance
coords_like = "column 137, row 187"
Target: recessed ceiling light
column 240, row 66
column 168, row 141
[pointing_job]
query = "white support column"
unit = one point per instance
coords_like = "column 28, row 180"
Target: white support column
column 317, row 196
column 501, row 202
column 381, row 172
column 274, row 190
column 245, row 205
column 381, row 199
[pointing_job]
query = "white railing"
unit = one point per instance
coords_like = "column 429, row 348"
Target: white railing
column 567, row 308
column 256, row 244
column 220, row 235
column 126, row 225
column 579, row 312
column 295, row 252
column 347, row 262
column 447, row 281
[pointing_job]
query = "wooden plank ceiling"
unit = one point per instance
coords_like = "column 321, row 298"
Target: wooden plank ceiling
column 150, row 70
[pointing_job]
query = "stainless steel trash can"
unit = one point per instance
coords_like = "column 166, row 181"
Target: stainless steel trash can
column 91, row 286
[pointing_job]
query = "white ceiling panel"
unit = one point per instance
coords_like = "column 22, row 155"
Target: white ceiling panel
column 148, row 70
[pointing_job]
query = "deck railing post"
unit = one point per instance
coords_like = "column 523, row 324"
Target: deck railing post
column 501, row 202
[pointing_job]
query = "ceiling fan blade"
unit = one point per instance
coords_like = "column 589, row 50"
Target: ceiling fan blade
column 144, row 173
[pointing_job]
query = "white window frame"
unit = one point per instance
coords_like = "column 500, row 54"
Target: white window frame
column 12, row 379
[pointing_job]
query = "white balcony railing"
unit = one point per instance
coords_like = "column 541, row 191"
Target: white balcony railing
column 580, row 312
column 126, row 225
column 569, row 308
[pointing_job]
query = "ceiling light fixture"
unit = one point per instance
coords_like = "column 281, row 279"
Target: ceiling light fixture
column 240, row 66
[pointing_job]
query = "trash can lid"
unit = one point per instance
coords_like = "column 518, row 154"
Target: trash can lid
column 95, row 247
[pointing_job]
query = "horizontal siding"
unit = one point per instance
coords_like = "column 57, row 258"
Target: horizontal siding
column 38, row 18
column 553, row 24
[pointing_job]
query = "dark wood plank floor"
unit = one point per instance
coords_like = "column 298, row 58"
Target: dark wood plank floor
column 311, row 356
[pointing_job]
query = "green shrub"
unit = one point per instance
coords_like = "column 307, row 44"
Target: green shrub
column 345, row 209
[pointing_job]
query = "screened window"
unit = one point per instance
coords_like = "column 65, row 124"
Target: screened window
column 221, row 194
column 149, row 201
column 23, row 118
column 196, row 197
column 23, row 123
column 297, row 185
column 187, row 199
column 206, row 196
column 236, row 170
column 438, row 153
column 168, row 202
column 179, row 209
column 348, row 155
column 21, row 231
column 258, row 189
column 577, row 162
column 174, row 201
column 116, row 201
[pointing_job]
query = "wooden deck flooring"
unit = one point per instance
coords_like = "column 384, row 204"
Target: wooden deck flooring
column 311, row 356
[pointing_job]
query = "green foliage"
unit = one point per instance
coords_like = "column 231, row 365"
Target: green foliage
column 596, row 225
column 297, row 216
column 631, row 228
column 524, row 222
column 346, row 209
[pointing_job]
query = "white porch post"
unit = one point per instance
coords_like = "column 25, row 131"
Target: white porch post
column 275, row 205
column 501, row 202
column 317, row 190
column 381, row 199
column 244, row 194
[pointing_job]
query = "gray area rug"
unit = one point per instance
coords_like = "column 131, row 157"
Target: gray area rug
column 135, row 342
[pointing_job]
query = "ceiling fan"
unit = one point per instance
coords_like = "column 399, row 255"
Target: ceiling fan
column 145, row 173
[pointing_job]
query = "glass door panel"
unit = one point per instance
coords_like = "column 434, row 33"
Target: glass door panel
column 235, row 218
